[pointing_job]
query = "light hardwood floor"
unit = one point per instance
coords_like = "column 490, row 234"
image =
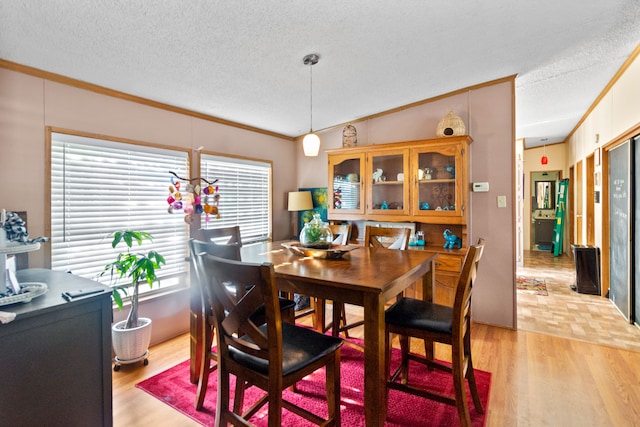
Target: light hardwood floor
column 537, row 380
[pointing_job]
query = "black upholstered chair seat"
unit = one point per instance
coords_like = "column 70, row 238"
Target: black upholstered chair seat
column 417, row 314
column 300, row 347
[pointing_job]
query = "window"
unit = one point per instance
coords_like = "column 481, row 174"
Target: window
column 245, row 195
column 100, row 186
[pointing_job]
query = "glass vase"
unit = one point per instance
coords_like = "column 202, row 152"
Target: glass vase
column 316, row 234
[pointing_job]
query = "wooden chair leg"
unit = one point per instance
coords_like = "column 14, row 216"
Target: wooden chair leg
column 404, row 348
column 337, row 319
column 238, row 397
column 205, row 359
column 343, row 319
column 222, row 404
column 388, row 346
column 275, row 408
column 332, row 381
column 289, row 316
column 460, row 393
column 471, row 377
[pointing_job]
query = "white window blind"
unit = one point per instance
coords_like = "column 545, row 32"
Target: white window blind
column 245, row 187
column 99, row 187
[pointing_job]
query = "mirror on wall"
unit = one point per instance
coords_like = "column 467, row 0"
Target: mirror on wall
column 545, row 194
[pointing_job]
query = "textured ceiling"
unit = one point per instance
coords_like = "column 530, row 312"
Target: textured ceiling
column 241, row 60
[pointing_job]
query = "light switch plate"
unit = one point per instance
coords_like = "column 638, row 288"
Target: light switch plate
column 502, row 201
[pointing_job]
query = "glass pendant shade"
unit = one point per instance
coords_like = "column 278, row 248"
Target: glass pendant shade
column 544, row 160
column 311, row 144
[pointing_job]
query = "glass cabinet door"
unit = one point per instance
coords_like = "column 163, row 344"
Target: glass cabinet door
column 345, row 185
column 388, row 193
column 438, row 174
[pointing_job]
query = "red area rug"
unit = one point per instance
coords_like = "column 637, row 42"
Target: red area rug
column 173, row 388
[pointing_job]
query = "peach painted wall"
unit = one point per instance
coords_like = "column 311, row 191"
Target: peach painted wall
column 488, row 113
column 28, row 104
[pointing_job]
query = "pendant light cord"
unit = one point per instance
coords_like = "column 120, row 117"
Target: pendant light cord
column 311, row 60
column 311, row 97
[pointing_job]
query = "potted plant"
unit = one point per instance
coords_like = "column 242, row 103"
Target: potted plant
column 131, row 337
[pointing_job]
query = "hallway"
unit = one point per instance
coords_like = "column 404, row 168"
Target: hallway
column 566, row 313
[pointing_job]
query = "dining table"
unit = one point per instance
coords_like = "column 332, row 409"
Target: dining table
column 364, row 276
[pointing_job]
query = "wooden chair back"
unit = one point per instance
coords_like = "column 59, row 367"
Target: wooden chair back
column 253, row 350
column 227, row 251
column 462, row 299
column 221, row 235
column 389, row 237
column 205, row 357
column 233, row 316
column 341, row 233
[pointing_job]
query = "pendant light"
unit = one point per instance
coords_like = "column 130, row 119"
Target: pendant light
column 311, row 142
column 544, row 160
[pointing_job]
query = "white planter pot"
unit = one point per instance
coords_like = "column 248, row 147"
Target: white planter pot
column 131, row 344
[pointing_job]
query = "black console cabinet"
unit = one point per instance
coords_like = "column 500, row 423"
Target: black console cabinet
column 587, row 260
column 55, row 357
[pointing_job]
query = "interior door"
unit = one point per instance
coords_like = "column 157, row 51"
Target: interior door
column 636, row 237
column 590, row 205
column 571, row 208
column 620, row 227
column 578, row 195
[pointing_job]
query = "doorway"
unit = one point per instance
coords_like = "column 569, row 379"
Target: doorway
column 544, row 188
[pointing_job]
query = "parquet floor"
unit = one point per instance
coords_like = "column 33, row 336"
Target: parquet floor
column 566, row 313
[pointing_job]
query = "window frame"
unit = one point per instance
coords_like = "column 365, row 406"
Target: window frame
column 171, row 282
column 247, row 237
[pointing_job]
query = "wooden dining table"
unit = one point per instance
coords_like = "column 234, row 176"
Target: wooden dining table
column 368, row 277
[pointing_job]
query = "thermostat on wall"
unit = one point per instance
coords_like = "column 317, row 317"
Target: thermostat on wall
column 480, row 187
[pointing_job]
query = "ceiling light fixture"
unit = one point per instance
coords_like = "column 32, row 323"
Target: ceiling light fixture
column 311, row 142
column 544, row 160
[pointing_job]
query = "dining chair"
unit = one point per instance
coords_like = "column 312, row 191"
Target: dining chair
column 271, row 356
column 387, row 237
column 221, row 235
column 207, row 357
column 230, row 238
column 341, row 233
column 341, row 236
column 431, row 322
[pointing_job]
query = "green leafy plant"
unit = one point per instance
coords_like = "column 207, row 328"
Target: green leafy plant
column 136, row 267
column 313, row 233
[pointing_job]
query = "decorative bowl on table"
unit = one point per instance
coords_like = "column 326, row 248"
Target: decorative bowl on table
column 334, row 252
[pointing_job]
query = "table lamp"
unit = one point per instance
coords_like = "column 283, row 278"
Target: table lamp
column 299, row 201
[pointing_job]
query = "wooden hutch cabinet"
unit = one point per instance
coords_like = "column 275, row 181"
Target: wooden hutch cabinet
column 425, row 182
column 346, row 185
column 388, row 196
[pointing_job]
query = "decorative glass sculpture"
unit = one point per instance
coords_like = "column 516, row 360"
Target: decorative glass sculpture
column 316, row 234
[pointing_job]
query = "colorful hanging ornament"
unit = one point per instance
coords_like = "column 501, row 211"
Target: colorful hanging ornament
column 194, row 199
